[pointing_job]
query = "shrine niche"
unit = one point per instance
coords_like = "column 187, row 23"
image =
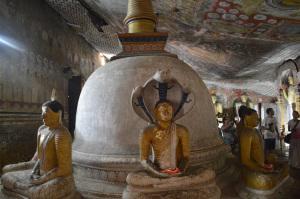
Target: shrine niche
column 289, row 87
column 288, row 99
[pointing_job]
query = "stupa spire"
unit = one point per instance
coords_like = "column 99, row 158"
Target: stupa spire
column 140, row 16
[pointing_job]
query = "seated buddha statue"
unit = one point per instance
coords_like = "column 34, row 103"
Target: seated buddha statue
column 170, row 143
column 164, row 145
column 49, row 173
column 256, row 172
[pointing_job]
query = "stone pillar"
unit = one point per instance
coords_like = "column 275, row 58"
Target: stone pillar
column 282, row 108
column 297, row 96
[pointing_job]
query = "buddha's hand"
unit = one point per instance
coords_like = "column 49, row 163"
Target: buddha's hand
column 37, row 180
column 171, row 171
column 152, row 169
column 268, row 167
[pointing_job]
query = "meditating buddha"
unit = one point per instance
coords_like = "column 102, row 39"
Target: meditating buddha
column 257, row 173
column 160, row 103
column 49, row 174
column 164, row 145
column 170, row 143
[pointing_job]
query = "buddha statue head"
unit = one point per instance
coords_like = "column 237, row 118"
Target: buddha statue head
column 52, row 113
column 251, row 118
column 163, row 111
column 242, row 112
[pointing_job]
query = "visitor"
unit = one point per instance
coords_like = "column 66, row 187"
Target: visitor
column 270, row 131
column 294, row 150
column 229, row 132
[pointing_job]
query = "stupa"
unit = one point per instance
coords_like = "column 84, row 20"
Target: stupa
column 106, row 146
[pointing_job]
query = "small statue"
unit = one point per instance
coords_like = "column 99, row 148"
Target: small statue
column 49, row 174
column 289, row 92
column 217, row 105
column 169, row 141
column 246, row 100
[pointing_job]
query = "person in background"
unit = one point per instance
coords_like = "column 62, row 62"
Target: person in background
column 229, row 132
column 294, row 150
column 270, row 131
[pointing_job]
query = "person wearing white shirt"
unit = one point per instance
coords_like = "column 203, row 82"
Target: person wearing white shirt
column 270, row 131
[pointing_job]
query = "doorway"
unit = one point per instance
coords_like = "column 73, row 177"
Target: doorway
column 74, row 90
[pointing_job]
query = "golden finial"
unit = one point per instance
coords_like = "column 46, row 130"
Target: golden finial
column 140, row 16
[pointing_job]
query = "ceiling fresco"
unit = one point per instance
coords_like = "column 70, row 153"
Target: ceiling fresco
column 265, row 19
column 230, row 41
column 242, row 18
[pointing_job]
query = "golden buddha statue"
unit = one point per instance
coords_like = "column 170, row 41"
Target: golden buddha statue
column 217, row 105
column 256, row 173
column 49, row 173
column 164, row 145
column 170, row 143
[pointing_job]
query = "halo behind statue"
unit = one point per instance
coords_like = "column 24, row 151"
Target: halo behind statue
column 161, row 87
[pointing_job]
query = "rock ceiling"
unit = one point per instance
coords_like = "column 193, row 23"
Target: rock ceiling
column 232, row 41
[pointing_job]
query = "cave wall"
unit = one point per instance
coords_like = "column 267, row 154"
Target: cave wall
column 38, row 52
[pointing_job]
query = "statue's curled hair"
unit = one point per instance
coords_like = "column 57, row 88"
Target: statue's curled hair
column 55, row 106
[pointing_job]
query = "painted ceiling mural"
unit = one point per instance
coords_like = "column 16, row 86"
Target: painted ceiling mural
column 269, row 19
column 234, row 41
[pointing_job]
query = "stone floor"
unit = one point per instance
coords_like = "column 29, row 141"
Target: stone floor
column 290, row 190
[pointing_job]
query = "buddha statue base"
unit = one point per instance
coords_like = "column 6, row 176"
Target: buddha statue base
column 195, row 185
column 258, row 185
column 17, row 185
